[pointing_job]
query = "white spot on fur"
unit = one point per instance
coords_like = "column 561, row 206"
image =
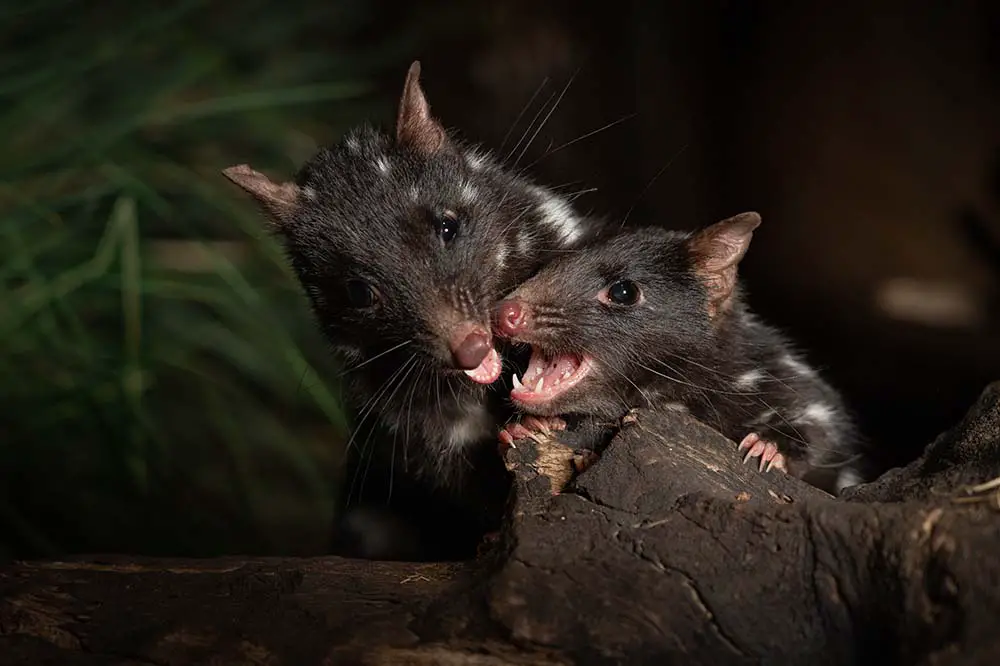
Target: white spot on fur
column 414, row 194
column 749, row 379
column 766, row 416
column 353, row 145
column 469, row 193
column 382, row 164
column 797, row 366
column 524, row 242
column 308, row 193
column 475, row 160
column 502, row 256
column 818, row 413
column 472, row 427
column 749, row 319
column 676, row 407
column 558, row 214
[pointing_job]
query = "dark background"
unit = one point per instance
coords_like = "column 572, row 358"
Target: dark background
column 163, row 389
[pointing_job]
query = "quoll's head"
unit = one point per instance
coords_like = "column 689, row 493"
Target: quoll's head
column 604, row 321
column 404, row 241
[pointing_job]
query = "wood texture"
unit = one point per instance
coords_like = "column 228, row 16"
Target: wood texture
column 667, row 549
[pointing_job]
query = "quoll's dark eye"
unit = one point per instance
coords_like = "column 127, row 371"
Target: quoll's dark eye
column 360, row 294
column 624, row 292
column 447, row 225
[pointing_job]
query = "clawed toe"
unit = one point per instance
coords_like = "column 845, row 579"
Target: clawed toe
column 749, row 441
column 771, row 458
column 767, row 451
column 545, row 424
column 530, row 427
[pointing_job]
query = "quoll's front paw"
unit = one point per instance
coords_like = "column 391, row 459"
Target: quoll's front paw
column 767, row 451
column 530, row 427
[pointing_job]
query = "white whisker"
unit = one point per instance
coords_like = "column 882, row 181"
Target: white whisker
column 546, row 119
column 581, row 138
column 524, row 110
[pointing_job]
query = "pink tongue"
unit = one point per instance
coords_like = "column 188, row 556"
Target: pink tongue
column 488, row 370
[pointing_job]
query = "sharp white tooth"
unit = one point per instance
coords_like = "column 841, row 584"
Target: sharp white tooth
column 566, row 373
column 539, row 385
column 517, row 382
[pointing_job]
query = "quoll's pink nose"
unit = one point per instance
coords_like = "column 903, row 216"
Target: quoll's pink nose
column 468, row 351
column 511, row 317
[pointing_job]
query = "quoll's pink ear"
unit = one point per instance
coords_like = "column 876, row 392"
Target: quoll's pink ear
column 279, row 200
column 717, row 251
column 415, row 127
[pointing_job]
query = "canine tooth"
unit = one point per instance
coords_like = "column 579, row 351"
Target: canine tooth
column 540, row 384
column 517, row 382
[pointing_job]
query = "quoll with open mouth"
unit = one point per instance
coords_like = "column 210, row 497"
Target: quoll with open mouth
column 649, row 317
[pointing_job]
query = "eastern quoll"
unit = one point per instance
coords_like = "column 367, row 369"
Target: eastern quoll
column 649, row 317
column 404, row 241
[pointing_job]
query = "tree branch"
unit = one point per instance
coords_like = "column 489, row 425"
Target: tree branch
column 668, row 548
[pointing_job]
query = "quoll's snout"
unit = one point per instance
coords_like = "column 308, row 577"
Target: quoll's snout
column 470, row 346
column 512, row 318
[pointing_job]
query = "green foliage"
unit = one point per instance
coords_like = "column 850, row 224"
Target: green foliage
column 163, row 387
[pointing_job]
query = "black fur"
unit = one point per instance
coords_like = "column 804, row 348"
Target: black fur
column 367, row 211
column 403, row 242
column 667, row 350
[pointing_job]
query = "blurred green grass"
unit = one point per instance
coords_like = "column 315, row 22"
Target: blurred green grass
column 163, row 387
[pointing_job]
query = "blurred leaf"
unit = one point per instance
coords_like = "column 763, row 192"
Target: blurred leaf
column 145, row 408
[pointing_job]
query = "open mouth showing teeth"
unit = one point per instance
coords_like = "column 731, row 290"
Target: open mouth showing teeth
column 549, row 377
column 488, row 370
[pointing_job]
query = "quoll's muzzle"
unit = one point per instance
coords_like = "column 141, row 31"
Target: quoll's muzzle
column 468, row 349
column 512, row 318
column 472, row 351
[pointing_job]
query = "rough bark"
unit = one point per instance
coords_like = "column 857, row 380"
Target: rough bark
column 667, row 549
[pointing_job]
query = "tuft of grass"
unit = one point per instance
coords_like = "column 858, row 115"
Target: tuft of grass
column 163, row 388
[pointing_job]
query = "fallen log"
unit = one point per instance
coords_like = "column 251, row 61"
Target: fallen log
column 667, row 549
